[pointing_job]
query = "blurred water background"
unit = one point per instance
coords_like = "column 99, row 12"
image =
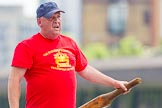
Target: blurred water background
column 121, row 38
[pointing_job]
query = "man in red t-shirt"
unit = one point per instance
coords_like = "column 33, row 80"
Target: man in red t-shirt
column 49, row 61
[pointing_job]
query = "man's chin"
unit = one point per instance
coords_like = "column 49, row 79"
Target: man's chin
column 56, row 32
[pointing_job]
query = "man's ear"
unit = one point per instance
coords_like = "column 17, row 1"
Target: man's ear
column 39, row 21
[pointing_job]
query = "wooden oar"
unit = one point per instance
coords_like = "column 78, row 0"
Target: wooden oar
column 105, row 100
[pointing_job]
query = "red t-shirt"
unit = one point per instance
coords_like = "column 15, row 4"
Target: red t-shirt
column 51, row 66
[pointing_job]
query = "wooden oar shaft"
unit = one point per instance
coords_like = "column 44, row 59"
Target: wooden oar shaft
column 106, row 99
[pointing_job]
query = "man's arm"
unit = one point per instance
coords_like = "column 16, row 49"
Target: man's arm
column 96, row 76
column 14, row 85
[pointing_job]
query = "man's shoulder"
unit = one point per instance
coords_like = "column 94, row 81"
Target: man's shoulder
column 66, row 37
column 29, row 40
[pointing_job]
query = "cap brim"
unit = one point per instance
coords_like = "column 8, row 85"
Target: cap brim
column 49, row 14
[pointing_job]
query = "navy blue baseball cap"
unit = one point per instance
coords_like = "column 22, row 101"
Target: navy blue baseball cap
column 47, row 10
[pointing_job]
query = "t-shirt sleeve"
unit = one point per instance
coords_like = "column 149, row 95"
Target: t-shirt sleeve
column 22, row 56
column 81, row 60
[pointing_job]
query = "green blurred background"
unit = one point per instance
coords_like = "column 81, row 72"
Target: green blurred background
column 121, row 38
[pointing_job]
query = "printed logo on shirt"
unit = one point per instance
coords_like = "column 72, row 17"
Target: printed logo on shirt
column 61, row 59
